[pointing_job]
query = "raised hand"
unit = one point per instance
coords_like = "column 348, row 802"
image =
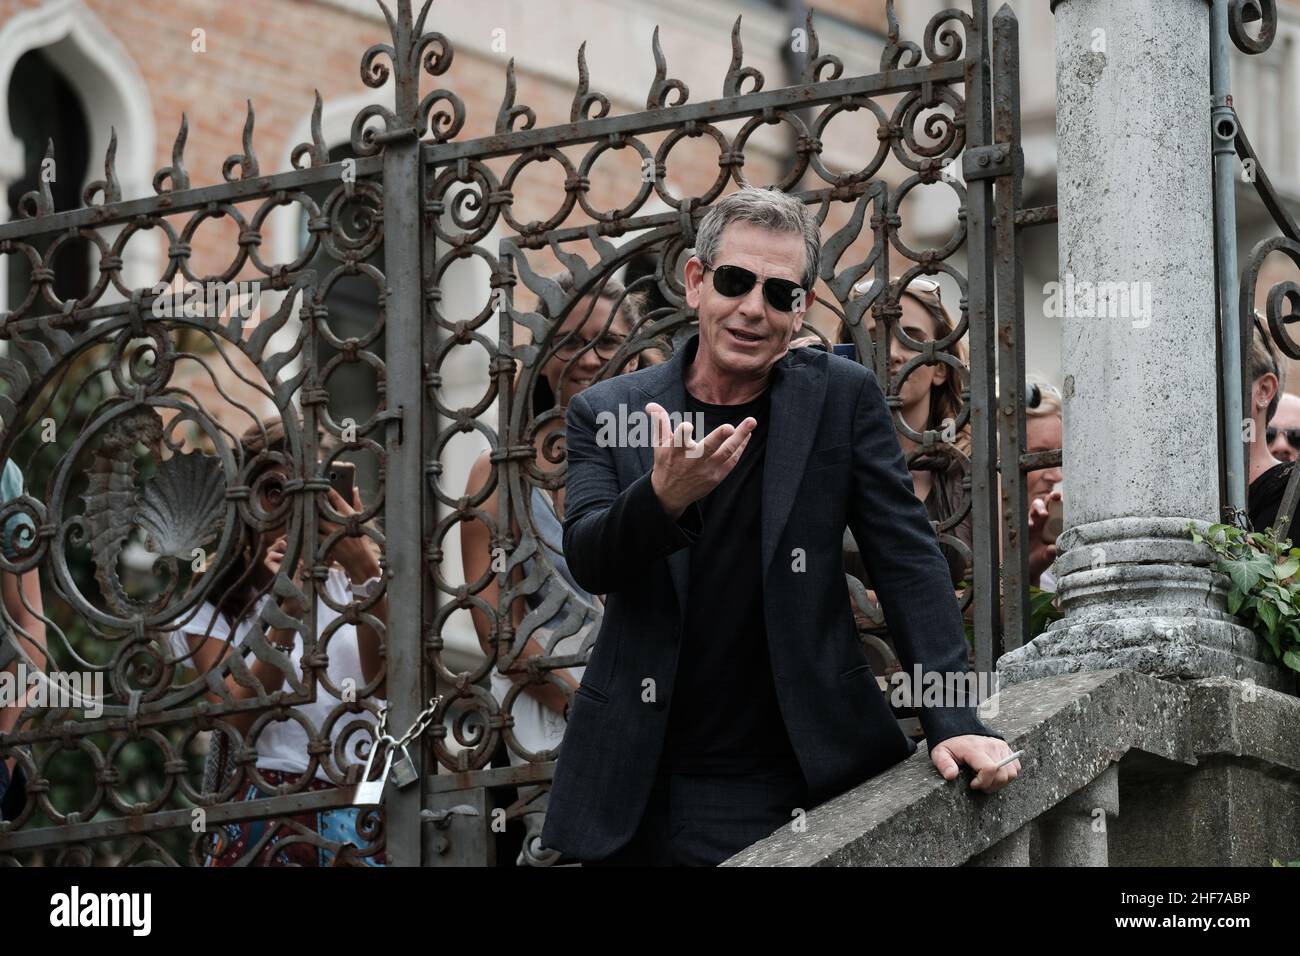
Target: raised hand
column 274, row 561
column 1041, row 554
column 686, row 470
column 358, row 554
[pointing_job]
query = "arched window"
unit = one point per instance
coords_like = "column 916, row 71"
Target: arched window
column 43, row 107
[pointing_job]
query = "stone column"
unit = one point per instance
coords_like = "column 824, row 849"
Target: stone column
column 1012, row 850
column 1138, row 351
column 1075, row 832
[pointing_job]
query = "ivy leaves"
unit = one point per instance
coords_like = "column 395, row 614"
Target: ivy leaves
column 1264, row 592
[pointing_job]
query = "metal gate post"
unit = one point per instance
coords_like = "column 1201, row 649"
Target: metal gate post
column 403, row 481
column 1014, row 526
column 979, row 167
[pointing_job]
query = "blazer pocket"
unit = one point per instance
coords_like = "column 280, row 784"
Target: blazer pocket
column 591, row 693
column 864, row 671
column 826, row 457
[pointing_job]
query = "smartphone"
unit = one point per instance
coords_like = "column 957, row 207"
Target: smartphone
column 342, row 478
column 847, row 349
column 1055, row 521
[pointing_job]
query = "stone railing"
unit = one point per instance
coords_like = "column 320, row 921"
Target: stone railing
column 1119, row 769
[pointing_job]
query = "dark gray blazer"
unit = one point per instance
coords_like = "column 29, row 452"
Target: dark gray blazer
column 832, row 460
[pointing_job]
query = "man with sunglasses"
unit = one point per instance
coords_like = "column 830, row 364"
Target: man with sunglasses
column 1283, row 432
column 727, row 691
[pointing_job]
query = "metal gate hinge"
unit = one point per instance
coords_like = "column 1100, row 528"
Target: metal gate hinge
column 393, row 416
column 986, row 162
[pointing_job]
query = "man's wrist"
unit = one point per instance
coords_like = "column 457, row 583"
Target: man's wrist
column 673, row 511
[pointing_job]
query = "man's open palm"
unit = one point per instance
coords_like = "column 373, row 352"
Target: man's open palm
column 685, row 470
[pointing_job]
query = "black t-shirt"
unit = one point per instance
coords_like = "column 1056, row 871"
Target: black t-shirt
column 724, row 716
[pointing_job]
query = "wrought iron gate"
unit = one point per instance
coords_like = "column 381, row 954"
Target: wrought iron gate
column 145, row 498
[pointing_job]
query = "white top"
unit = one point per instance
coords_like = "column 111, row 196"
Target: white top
column 282, row 745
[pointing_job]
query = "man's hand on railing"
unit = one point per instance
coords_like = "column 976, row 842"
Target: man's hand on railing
column 982, row 754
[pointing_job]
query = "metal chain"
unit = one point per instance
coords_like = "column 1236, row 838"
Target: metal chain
column 420, row 726
column 422, row 722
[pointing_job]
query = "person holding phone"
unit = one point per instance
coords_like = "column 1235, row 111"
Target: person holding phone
column 237, row 607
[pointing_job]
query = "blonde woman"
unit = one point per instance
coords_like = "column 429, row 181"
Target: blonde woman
column 1268, row 475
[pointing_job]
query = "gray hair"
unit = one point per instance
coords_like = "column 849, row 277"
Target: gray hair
column 770, row 208
column 630, row 305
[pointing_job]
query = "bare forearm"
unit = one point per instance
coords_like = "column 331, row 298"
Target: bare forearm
column 370, row 645
column 269, row 677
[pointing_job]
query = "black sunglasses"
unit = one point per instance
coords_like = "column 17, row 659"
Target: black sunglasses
column 733, row 282
column 1292, row 435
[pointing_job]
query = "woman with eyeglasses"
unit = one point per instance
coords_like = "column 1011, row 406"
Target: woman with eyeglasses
column 578, row 353
column 1268, row 476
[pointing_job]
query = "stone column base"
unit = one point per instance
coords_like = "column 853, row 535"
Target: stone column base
column 1148, row 640
column 1139, row 594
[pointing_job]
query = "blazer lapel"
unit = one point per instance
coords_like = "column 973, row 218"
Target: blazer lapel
column 798, row 391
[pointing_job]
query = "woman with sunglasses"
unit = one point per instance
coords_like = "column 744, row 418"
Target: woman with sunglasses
column 1283, row 432
column 1268, row 476
column 578, row 353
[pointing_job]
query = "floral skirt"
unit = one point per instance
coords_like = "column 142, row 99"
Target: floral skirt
column 288, row 845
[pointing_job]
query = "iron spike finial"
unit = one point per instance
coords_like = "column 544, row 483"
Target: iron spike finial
column 815, row 61
column 108, row 188
column 246, row 161
column 662, row 85
column 582, row 98
column 736, row 73
column 174, row 178
column 316, row 151
column 509, row 112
